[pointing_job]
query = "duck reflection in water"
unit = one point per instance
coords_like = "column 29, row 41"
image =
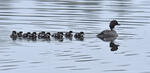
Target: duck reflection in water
column 113, row 46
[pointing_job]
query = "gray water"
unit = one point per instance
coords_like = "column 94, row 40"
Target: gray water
column 92, row 55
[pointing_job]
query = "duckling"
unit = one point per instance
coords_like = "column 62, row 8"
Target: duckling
column 29, row 35
column 47, row 36
column 41, row 34
column 19, row 34
column 54, row 35
column 79, row 35
column 33, row 36
column 25, row 35
column 58, row 35
column 68, row 34
column 14, row 35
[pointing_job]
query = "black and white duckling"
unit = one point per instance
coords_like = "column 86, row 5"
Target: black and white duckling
column 58, row 35
column 33, row 36
column 41, row 34
column 47, row 36
column 13, row 35
column 19, row 34
column 25, row 35
column 28, row 35
column 68, row 34
column 79, row 35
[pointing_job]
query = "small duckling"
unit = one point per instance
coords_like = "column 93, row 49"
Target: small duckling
column 47, row 36
column 19, row 34
column 25, row 35
column 14, row 35
column 28, row 35
column 41, row 34
column 54, row 35
column 69, row 35
column 79, row 35
column 58, row 36
column 33, row 36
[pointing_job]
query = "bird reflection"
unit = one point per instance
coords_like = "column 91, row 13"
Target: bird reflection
column 112, row 45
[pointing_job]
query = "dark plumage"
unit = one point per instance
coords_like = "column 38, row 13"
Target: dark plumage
column 19, row 34
column 112, row 24
column 113, row 46
column 68, row 34
column 41, row 35
column 14, row 35
column 79, row 35
column 109, row 34
column 47, row 36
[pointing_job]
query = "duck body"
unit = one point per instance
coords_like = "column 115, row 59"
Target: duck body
column 107, row 34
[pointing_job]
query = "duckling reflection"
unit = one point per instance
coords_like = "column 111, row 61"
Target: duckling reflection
column 113, row 46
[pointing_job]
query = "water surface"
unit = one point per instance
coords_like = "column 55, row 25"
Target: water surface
column 92, row 55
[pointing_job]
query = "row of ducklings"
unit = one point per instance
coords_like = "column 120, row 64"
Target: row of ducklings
column 46, row 35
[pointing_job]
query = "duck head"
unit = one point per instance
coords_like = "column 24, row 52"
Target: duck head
column 113, row 23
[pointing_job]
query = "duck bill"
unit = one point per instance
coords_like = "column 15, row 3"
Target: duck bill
column 118, row 24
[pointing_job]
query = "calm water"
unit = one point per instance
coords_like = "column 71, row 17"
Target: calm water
column 89, row 56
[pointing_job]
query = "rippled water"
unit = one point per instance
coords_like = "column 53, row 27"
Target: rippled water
column 89, row 56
